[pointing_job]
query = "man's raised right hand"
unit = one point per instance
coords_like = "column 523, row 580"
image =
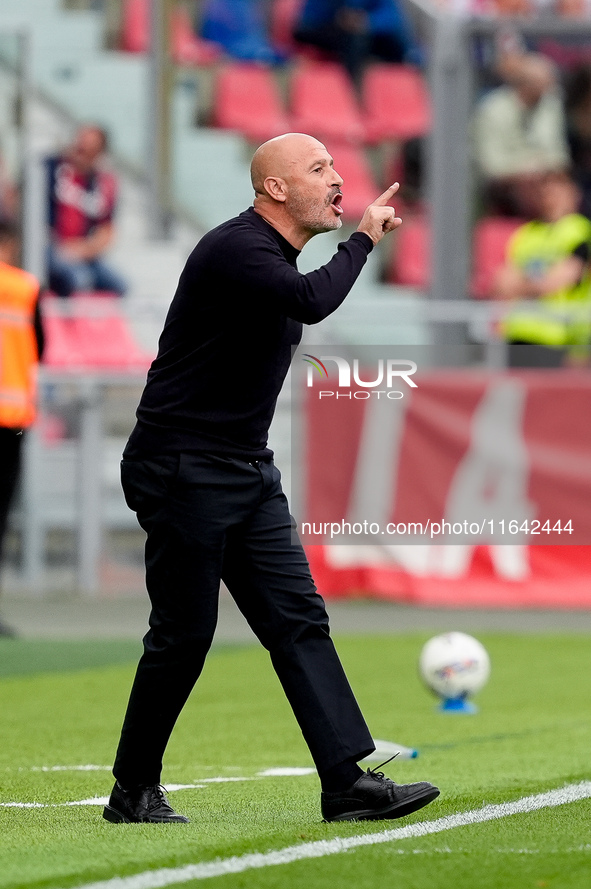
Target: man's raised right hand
column 379, row 218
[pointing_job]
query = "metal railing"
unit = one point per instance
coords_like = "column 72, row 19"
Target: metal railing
column 90, row 512
column 449, row 177
column 47, row 502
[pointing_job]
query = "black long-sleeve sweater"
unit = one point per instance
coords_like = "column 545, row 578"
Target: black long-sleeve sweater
column 227, row 341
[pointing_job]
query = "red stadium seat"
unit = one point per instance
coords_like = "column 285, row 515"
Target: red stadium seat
column 86, row 332
column 323, row 103
column 490, row 239
column 187, row 48
column 359, row 188
column 246, row 99
column 62, row 349
column 135, row 26
column 411, row 261
column 284, row 14
column 396, row 103
column 104, row 337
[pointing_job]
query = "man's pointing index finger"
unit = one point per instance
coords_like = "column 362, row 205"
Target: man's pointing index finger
column 387, row 195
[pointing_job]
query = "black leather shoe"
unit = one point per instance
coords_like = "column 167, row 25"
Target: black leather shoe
column 374, row 797
column 145, row 804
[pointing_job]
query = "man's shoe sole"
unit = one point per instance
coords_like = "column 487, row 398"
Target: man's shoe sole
column 115, row 817
column 396, row 810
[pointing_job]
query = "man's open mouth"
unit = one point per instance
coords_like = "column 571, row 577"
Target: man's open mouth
column 336, row 203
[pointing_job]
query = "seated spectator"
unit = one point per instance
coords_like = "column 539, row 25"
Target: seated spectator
column 82, row 197
column 356, row 30
column 239, row 26
column 519, row 135
column 548, row 260
column 578, row 131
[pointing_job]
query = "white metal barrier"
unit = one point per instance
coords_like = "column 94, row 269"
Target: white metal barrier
column 63, row 483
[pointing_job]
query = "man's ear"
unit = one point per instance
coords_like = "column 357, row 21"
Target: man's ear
column 275, row 188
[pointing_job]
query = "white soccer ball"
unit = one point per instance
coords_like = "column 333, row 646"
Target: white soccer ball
column 454, row 665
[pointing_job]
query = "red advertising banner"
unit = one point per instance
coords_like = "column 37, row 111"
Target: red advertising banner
column 476, row 487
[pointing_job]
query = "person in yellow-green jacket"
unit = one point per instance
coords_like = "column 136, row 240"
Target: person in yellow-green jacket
column 548, row 260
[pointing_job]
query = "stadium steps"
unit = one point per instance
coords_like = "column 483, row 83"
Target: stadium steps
column 211, row 178
column 60, row 38
column 211, row 174
column 72, row 69
column 111, row 89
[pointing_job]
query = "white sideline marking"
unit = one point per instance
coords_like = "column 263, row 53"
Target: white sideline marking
column 95, row 801
column 156, row 879
column 281, row 772
column 103, row 800
column 88, row 768
column 218, row 781
column 96, row 768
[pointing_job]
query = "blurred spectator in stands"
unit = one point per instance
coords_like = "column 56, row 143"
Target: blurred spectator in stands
column 548, row 260
column 82, row 198
column 240, row 27
column 578, row 130
column 519, row 135
column 21, row 346
column 356, row 30
column 509, row 47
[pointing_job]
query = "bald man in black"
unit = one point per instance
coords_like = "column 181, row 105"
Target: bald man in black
column 198, row 472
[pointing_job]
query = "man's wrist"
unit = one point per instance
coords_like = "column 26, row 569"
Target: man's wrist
column 364, row 238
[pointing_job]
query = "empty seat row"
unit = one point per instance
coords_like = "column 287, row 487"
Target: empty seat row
column 394, row 103
column 90, row 333
column 411, row 260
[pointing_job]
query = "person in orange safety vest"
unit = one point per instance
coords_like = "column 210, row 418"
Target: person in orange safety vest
column 21, row 347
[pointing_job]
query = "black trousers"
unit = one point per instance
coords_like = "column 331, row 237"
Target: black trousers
column 11, row 444
column 209, row 517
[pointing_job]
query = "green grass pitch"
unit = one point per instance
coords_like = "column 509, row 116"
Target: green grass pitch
column 61, row 705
